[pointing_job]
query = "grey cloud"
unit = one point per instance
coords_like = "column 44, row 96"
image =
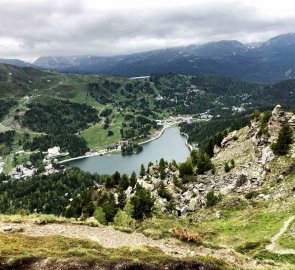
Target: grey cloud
column 70, row 28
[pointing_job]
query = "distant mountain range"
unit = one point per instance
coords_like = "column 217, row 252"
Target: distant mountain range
column 15, row 62
column 270, row 61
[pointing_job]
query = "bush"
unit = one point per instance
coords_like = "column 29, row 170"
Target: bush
column 184, row 235
column 163, row 192
column 226, row 168
column 247, row 247
column 251, row 194
column 100, row 216
column 186, row 168
column 263, row 124
column 211, row 199
column 123, row 219
column 204, row 163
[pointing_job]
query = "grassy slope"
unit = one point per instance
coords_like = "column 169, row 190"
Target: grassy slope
column 17, row 246
column 97, row 137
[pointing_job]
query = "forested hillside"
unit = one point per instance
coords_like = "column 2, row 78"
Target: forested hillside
column 103, row 110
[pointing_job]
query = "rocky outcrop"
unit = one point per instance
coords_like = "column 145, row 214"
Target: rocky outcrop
column 278, row 118
column 249, row 148
column 231, row 136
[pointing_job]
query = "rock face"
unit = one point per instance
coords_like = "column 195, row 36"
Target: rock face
column 231, row 136
column 278, row 118
column 249, row 148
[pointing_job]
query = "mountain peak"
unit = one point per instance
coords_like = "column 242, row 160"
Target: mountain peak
column 281, row 40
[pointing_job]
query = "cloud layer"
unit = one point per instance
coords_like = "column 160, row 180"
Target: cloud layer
column 31, row 28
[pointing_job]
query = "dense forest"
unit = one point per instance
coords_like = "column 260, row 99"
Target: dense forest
column 67, row 142
column 200, row 132
column 44, row 194
column 5, row 106
column 54, row 116
column 76, row 194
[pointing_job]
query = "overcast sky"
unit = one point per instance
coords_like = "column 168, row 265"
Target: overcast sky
column 31, row 28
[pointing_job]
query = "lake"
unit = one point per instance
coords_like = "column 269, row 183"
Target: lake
column 170, row 146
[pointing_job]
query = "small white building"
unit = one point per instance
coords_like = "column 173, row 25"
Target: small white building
column 54, row 151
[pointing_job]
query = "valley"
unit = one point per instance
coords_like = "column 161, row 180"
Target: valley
column 222, row 203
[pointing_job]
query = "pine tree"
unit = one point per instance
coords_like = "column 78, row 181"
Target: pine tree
column 121, row 199
column 133, row 179
column 204, row 163
column 142, row 171
column 116, row 178
column 285, row 139
column 142, row 203
column 124, row 182
column 109, row 208
column 162, row 168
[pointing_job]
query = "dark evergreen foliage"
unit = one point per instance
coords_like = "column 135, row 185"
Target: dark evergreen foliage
column 142, row 203
column 285, row 139
column 44, row 194
column 54, row 116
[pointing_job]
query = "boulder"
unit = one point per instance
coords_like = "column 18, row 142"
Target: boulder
column 226, row 141
column 182, row 211
column 267, row 155
column 7, row 229
column 146, row 185
column 218, row 214
column 193, row 204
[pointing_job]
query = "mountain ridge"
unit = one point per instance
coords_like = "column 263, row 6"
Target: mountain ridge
column 269, row 62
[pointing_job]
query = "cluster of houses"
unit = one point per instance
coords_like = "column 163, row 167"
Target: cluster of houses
column 28, row 170
column 23, row 171
column 116, row 146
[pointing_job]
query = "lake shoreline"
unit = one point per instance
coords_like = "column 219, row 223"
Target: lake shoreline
column 140, row 143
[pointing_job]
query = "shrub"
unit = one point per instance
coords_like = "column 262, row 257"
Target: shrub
column 122, row 219
column 256, row 115
column 186, row 168
column 226, row 168
column 211, row 199
column 232, row 163
column 99, row 215
column 163, row 192
column 251, row 194
column 184, row 235
column 247, row 247
column 213, row 169
column 263, row 124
